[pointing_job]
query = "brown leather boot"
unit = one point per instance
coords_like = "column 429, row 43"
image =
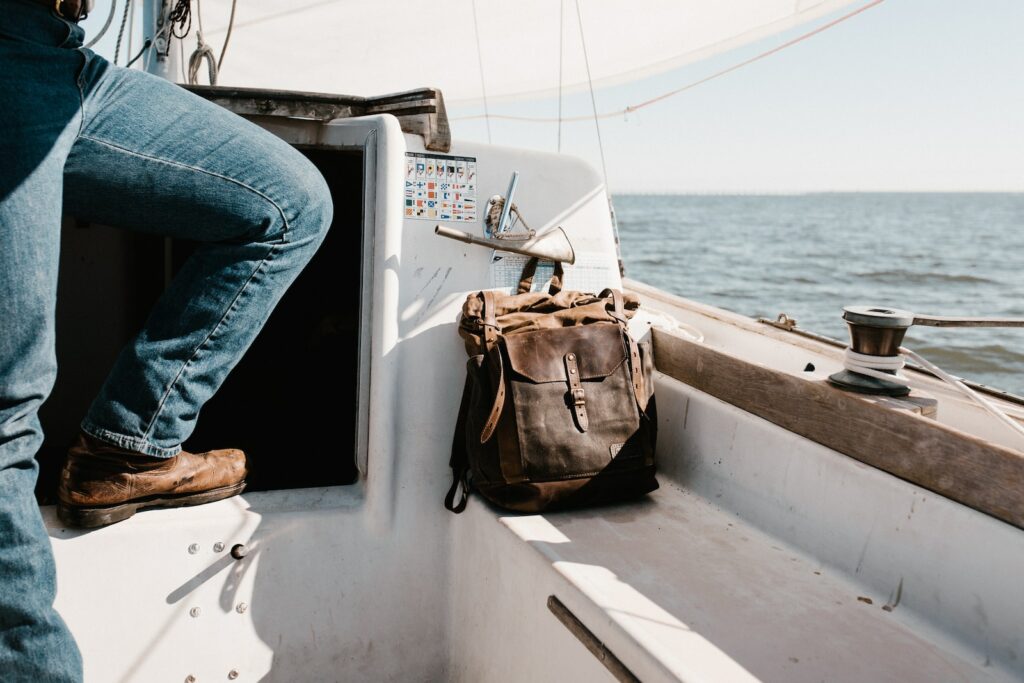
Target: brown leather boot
column 102, row 484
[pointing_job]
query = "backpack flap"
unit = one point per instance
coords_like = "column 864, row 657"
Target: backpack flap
column 539, row 356
column 571, row 424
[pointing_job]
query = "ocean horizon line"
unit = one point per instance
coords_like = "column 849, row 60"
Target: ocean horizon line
column 801, row 193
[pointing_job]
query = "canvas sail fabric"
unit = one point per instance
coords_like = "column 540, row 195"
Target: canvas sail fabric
column 558, row 407
column 372, row 48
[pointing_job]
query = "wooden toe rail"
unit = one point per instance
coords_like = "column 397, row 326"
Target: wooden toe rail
column 977, row 473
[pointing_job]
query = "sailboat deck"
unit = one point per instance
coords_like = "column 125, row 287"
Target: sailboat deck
column 712, row 598
column 763, row 556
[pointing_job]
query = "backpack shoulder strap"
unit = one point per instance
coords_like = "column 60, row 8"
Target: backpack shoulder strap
column 617, row 312
column 459, row 461
column 530, row 269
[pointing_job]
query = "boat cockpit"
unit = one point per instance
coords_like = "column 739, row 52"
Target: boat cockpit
column 800, row 533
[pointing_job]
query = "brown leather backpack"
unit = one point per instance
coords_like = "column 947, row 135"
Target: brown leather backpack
column 558, row 407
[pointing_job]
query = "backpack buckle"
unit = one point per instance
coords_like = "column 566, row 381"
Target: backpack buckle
column 579, row 399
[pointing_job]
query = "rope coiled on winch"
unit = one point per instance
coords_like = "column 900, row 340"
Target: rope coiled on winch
column 888, row 368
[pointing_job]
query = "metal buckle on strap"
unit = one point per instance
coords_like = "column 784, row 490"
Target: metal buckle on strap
column 578, row 397
column 579, row 400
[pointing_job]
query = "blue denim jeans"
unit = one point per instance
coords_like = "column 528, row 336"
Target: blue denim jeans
column 123, row 148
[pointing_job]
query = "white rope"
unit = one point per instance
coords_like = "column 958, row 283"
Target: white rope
column 858, row 362
column 875, row 366
column 227, row 36
column 195, row 61
column 106, row 25
column 966, row 390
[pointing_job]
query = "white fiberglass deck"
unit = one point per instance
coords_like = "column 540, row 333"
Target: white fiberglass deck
column 765, row 556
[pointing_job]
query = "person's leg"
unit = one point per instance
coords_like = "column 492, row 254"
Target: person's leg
column 39, row 109
column 154, row 157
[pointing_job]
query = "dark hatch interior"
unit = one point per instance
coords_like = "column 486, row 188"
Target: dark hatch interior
column 291, row 403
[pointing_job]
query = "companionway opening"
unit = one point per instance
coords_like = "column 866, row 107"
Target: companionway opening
column 292, row 401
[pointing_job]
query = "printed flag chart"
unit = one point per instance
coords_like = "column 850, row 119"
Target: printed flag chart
column 440, row 188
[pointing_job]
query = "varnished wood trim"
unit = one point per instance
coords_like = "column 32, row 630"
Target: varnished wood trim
column 590, row 641
column 980, row 474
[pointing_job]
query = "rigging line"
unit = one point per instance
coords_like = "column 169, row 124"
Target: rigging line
column 689, row 86
column 593, row 100
column 181, row 61
column 227, row 38
column 106, row 25
column 480, row 62
column 202, row 51
column 145, row 46
column 561, row 36
column 120, row 32
column 131, row 25
column 600, row 143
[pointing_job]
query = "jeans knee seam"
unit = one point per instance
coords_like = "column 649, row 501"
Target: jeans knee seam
column 195, row 352
column 197, row 169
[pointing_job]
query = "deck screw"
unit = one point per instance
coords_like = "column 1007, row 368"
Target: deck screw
column 241, row 607
column 232, row 675
column 193, row 549
column 195, row 612
column 218, row 547
column 190, row 679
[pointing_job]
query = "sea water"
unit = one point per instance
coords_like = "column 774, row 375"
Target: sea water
column 810, row 255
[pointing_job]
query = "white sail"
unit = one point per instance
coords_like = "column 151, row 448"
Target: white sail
column 526, row 47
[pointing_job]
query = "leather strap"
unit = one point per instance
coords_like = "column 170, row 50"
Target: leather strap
column 490, row 325
column 459, row 461
column 530, row 270
column 499, row 398
column 636, row 371
column 579, row 399
column 556, row 279
column 617, row 312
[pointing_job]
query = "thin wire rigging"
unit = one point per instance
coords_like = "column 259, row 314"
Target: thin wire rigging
column 480, row 61
column 590, row 85
column 688, row 86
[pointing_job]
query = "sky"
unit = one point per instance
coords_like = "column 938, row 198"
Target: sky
column 911, row 95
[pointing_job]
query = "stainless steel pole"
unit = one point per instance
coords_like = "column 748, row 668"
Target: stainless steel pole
column 162, row 58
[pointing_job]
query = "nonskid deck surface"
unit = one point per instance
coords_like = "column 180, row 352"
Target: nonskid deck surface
column 710, row 595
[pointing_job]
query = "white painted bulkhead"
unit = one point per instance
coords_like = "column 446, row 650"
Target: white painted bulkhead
column 747, row 564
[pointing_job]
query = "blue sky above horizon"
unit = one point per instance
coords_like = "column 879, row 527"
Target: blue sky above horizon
column 911, row 95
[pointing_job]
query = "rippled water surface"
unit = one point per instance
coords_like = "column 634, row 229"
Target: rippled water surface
column 809, row 255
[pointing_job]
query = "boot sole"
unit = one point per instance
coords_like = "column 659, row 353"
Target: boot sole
column 91, row 517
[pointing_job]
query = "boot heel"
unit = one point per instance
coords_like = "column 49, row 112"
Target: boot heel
column 90, row 518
